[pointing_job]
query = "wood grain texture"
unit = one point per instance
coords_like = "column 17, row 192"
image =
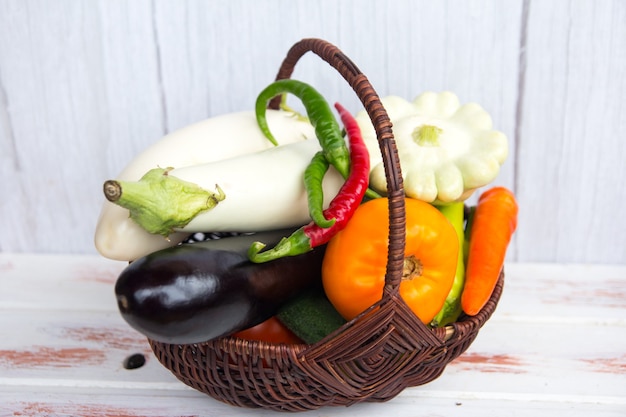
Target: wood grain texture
column 555, row 345
column 85, row 86
column 571, row 146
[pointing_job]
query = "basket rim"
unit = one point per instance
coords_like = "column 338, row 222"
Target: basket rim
column 444, row 334
column 214, row 367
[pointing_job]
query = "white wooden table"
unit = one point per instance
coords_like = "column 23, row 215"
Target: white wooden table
column 556, row 345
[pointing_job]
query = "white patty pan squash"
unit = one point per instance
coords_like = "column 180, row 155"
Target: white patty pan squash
column 446, row 150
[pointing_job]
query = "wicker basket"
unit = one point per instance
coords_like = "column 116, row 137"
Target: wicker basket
column 371, row 358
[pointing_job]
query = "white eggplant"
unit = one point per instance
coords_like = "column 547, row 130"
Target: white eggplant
column 217, row 138
column 214, row 139
column 257, row 192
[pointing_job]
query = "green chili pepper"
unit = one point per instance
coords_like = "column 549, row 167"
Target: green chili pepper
column 327, row 131
column 313, row 176
column 451, row 309
column 342, row 206
column 320, row 115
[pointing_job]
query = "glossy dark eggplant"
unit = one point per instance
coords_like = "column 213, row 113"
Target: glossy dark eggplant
column 196, row 292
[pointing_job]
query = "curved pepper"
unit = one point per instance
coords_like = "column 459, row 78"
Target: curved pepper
column 341, row 208
column 320, row 116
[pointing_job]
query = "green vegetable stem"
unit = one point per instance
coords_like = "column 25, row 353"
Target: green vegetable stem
column 159, row 202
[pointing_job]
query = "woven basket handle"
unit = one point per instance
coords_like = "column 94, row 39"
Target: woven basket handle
column 382, row 124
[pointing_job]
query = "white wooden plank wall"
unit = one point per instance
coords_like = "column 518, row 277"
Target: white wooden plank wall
column 84, row 86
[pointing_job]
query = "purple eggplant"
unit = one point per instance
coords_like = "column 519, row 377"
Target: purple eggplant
column 195, row 292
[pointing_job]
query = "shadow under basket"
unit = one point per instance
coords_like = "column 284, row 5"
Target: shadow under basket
column 373, row 357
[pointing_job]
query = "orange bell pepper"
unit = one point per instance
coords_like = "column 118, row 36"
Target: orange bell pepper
column 354, row 266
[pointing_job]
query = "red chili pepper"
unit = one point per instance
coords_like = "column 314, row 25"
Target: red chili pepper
column 341, row 208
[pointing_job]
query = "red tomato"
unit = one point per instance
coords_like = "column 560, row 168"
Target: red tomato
column 271, row 330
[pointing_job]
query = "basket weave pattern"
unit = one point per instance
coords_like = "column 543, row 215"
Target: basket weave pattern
column 371, row 358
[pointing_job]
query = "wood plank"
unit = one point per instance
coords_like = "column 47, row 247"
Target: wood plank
column 533, row 291
column 80, row 95
column 67, row 358
column 88, row 403
column 92, row 86
column 58, row 282
column 89, row 350
column 476, row 57
column 570, row 176
column 562, row 293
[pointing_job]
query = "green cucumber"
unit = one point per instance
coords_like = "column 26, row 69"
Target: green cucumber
column 310, row 316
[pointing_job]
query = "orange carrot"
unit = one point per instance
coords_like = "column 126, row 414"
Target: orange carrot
column 493, row 224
